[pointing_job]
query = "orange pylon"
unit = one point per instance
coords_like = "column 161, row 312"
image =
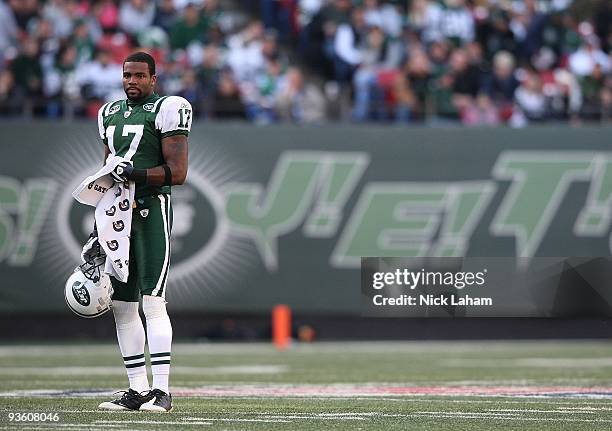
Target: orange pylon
column 281, row 326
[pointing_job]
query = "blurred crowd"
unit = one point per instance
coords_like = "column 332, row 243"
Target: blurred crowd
column 472, row 62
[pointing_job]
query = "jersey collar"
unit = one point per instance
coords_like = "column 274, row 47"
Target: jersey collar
column 154, row 96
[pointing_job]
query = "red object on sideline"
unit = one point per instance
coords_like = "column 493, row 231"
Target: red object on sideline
column 281, row 326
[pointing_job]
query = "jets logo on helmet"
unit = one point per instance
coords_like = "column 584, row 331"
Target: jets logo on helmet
column 88, row 291
column 80, row 293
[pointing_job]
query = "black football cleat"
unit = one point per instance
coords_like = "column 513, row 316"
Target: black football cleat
column 159, row 402
column 130, row 400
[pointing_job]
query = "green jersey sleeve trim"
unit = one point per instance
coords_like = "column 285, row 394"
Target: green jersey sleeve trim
column 158, row 104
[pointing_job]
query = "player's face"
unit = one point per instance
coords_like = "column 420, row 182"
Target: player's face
column 137, row 81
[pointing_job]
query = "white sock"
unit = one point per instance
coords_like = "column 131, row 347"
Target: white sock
column 131, row 337
column 159, row 336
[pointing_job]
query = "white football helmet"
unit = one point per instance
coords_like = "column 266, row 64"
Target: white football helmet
column 88, row 290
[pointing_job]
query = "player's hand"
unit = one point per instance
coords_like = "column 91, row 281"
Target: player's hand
column 91, row 247
column 122, row 172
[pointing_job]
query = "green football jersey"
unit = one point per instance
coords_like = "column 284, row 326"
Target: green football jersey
column 135, row 131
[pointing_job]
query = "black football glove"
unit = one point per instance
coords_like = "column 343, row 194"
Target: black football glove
column 122, row 172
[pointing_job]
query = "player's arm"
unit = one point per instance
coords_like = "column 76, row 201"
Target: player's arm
column 171, row 173
column 174, row 171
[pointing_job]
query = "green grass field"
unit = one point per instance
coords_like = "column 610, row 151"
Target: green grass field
column 321, row 386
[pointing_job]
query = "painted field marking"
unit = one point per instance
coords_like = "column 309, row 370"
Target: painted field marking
column 527, row 363
column 562, row 410
column 120, row 370
column 81, row 427
column 347, row 391
column 321, row 418
column 144, row 422
column 280, row 418
column 63, row 425
column 283, row 418
column 518, row 382
column 594, row 409
column 200, row 421
column 104, row 412
column 352, row 390
column 375, row 347
column 434, row 415
column 482, row 414
column 444, row 399
column 357, row 416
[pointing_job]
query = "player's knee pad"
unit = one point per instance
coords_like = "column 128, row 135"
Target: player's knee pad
column 154, row 307
column 126, row 313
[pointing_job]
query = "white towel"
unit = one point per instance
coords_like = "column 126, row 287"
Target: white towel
column 113, row 202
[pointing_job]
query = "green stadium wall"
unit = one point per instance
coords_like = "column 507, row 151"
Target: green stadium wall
column 282, row 214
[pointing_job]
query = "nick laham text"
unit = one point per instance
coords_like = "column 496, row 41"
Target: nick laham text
column 431, row 300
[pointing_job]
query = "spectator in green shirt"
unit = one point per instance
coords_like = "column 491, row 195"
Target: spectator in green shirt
column 190, row 27
column 26, row 69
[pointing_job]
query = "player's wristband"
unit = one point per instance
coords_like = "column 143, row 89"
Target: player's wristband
column 139, row 176
column 167, row 175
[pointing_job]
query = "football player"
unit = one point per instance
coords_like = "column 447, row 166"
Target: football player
column 150, row 131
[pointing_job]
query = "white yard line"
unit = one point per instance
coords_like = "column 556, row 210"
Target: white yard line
column 145, row 422
column 203, row 421
column 79, row 426
column 108, row 412
column 505, row 418
column 283, row 418
column 445, row 399
column 483, row 414
column 64, row 425
column 561, row 410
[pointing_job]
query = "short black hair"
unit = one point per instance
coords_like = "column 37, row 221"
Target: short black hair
column 142, row 57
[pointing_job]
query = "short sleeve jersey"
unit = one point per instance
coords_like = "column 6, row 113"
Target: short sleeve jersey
column 135, row 131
